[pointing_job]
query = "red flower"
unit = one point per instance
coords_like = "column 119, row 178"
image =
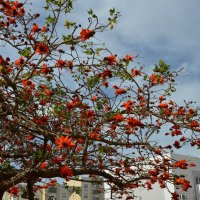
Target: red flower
column 94, row 98
column 134, row 122
column 156, row 79
column 44, row 29
column 43, row 165
column 41, row 48
column 90, row 113
column 111, row 59
column 177, row 144
column 182, row 181
column 161, row 98
column 85, row 34
column 14, row 190
column 128, row 58
column 60, row 64
column 163, row 105
column 194, row 124
column 118, row 117
column 192, row 164
column 19, row 62
column 120, row 91
column 30, row 137
column 70, row 105
column 35, row 28
column 135, row 72
column 182, row 164
column 175, row 196
column 70, row 64
column 64, row 142
column 127, row 105
column 66, row 171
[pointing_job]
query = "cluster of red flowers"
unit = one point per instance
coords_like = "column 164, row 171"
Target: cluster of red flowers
column 183, row 182
column 132, row 122
column 156, row 79
column 85, row 34
column 12, row 8
column 14, row 190
column 111, row 59
column 128, row 58
column 120, row 91
column 41, row 48
column 64, row 142
column 65, row 171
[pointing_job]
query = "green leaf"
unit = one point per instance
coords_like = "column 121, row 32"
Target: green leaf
column 68, row 24
column 112, row 11
column 25, row 52
column 90, row 12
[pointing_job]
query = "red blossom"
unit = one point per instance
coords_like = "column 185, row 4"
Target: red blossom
column 118, row 118
column 132, row 122
column 120, row 91
column 66, row 171
column 111, row 59
column 135, row 72
column 43, row 165
column 35, row 28
column 60, row 63
column 128, row 105
column 41, row 48
column 156, row 79
column 128, row 58
column 64, row 142
column 85, row 34
column 14, row 190
column 19, row 62
column 182, row 164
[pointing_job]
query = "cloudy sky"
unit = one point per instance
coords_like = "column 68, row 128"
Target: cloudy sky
column 155, row 29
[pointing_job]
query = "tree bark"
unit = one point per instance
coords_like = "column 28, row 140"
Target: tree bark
column 30, row 192
column 1, row 194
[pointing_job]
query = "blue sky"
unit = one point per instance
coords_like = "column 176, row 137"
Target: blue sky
column 155, row 30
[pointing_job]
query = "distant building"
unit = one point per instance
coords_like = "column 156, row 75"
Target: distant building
column 75, row 190
column 192, row 174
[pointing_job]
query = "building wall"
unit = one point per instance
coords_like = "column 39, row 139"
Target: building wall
column 190, row 174
column 156, row 193
column 85, row 191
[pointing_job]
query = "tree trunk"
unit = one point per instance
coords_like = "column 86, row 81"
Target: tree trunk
column 30, row 192
column 1, row 195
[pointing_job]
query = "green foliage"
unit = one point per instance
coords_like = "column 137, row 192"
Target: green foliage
column 25, row 52
column 161, row 67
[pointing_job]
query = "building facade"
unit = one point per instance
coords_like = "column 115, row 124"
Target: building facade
column 192, row 174
column 73, row 190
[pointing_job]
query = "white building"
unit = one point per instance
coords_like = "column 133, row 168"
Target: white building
column 192, row 174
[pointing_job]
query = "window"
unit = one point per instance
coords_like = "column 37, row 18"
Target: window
column 64, row 196
column 85, row 186
column 51, row 198
column 52, row 190
column 182, row 197
column 197, row 180
column 85, row 196
column 95, row 191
